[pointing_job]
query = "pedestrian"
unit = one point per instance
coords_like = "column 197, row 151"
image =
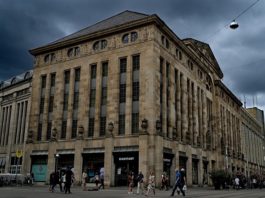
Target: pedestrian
column 101, row 177
column 68, row 180
column 84, row 177
column 180, row 182
column 151, row 183
column 164, row 182
column 237, row 183
column 63, row 179
column 52, row 182
column 32, row 178
column 130, row 182
column 96, row 180
column 140, row 181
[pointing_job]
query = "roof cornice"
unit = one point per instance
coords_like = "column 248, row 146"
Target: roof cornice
column 100, row 33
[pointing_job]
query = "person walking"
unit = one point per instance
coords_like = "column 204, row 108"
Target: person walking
column 237, row 183
column 96, row 180
column 140, row 181
column 180, row 182
column 84, row 176
column 68, row 180
column 52, row 182
column 101, row 176
column 151, row 183
column 130, row 182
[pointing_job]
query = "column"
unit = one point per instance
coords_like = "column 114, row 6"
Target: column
column 98, row 100
column 204, row 119
column 78, row 160
column 190, row 123
column 70, row 105
column 195, row 115
column 22, row 123
column 178, row 116
column 184, row 104
column 128, row 104
column 108, row 161
column 46, row 110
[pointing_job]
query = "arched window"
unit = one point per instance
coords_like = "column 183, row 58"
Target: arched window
column 125, row 38
column 162, row 40
column 13, row 81
column 167, row 44
column 47, row 58
column 52, row 55
column 134, row 36
column 99, row 45
column 104, row 44
column 209, row 84
column 70, row 52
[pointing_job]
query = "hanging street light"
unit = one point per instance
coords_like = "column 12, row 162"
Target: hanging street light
column 234, row 25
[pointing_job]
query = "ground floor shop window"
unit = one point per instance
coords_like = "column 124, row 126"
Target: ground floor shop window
column 92, row 163
column 125, row 163
column 39, row 167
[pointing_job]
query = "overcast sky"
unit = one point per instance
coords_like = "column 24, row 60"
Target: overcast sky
column 240, row 53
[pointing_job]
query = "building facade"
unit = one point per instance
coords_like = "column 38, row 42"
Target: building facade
column 15, row 100
column 127, row 94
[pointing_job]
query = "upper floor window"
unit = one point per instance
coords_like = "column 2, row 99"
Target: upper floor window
column 74, row 51
column 129, row 37
column 178, row 54
column 190, row 64
column 48, row 58
column 165, row 41
column 99, row 45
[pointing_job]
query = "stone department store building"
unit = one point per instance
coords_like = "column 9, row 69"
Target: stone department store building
column 128, row 94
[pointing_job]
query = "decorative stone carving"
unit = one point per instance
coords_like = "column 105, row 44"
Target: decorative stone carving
column 54, row 134
column 110, row 129
column 30, row 137
column 158, row 127
column 80, row 132
column 144, row 125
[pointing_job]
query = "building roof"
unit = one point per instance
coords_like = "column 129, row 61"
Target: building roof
column 116, row 20
column 16, row 79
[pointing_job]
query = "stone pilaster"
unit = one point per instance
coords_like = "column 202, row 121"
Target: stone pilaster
column 108, row 161
column 195, row 115
column 184, row 117
column 98, row 100
column 78, row 161
column 178, row 101
column 46, row 107
column 70, row 105
column 204, row 119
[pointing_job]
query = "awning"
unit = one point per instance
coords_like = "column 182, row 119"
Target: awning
column 125, row 149
column 39, row 153
column 93, row 150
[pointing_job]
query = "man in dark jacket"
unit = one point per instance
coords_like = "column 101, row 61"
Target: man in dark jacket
column 68, row 182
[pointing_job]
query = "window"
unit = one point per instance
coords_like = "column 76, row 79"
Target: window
column 66, row 77
column 47, row 58
column 49, row 130
column 64, row 127
column 167, row 44
column 135, row 91
column 136, row 62
column 123, row 65
column 178, row 54
column 122, row 93
column 77, row 75
column 162, row 40
column 41, row 105
column 93, row 71
column 91, row 127
column 125, row 38
column 92, row 97
column 102, row 126
column 76, row 99
column 121, row 124
column 51, row 104
column 99, row 45
column 104, row 96
column 135, row 123
column 74, row 128
column 43, row 82
column 65, row 102
column 39, row 131
column 104, row 69
column 134, row 36
column 96, row 45
column 75, row 51
column 52, row 80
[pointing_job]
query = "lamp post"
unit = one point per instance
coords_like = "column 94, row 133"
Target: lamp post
column 56, row 161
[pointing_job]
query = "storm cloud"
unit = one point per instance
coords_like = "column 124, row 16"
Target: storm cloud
column 32, row 23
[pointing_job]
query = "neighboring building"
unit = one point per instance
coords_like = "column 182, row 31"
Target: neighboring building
column 127, row 94
column 253, row 141
column 15, row 97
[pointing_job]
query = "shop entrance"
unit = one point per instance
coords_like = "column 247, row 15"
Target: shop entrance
column 125, row 163
column 39, row 167
column 167, row 162
column 195, row 171
column 92, row 163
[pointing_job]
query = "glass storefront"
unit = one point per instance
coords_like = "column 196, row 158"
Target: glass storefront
column 39, row 167
column 92, row 163
column 125, row 162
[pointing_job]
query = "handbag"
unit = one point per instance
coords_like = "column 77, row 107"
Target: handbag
column 184, row 188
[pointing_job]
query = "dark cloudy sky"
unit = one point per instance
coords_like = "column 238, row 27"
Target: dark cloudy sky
column 26, row 24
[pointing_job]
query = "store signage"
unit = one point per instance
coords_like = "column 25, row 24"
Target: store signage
column 126, row 158
column 166, row 160
column 40, row 171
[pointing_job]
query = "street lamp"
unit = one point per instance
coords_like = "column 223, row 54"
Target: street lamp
column 57, row 155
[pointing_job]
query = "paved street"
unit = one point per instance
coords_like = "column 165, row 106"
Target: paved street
column 42, row 192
